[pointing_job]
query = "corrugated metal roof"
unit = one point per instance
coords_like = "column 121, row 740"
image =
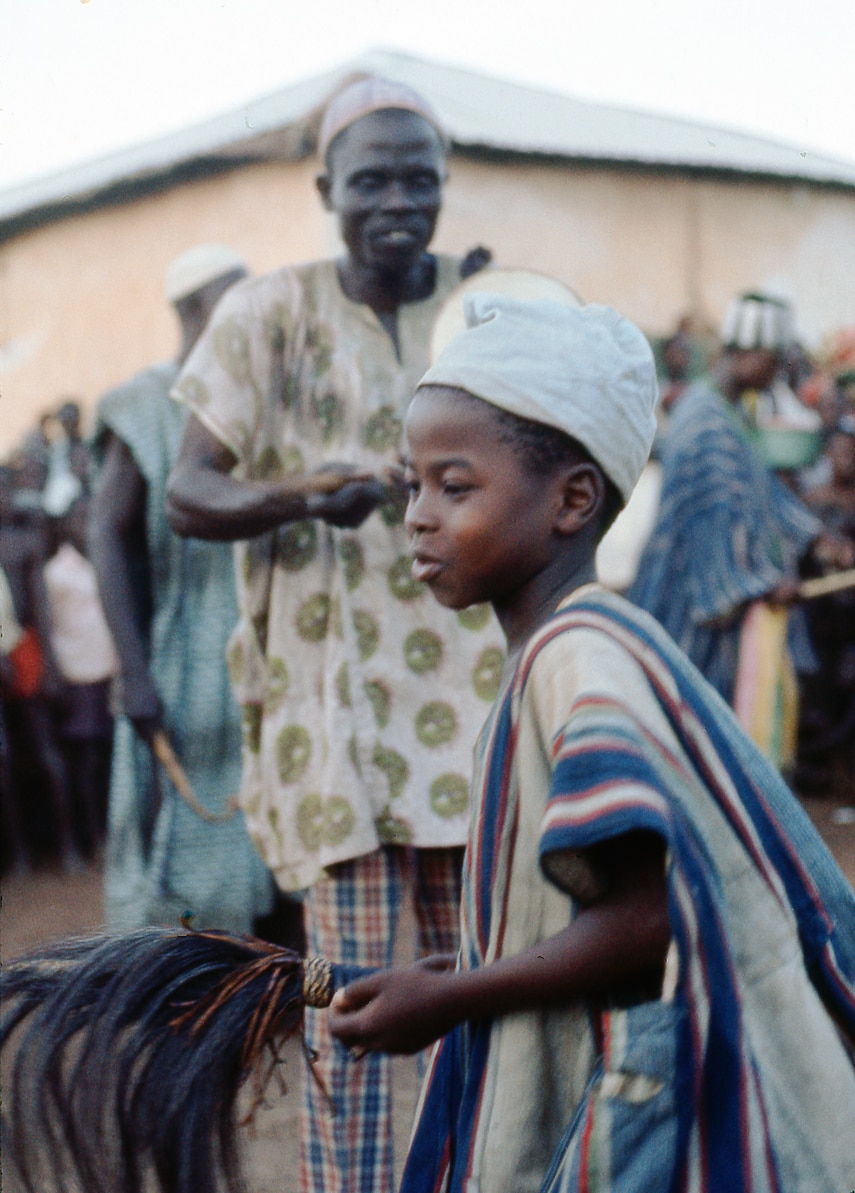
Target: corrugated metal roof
column 481, row 112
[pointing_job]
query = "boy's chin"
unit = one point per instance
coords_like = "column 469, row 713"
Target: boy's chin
column 449, row 600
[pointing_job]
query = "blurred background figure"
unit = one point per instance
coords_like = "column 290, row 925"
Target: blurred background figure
column 170, row 604
column 83, row 648
column 730, row 536
column 35, row 787
column 67, row 460
column 827, row 732
column 14, row 853
column 677, row 363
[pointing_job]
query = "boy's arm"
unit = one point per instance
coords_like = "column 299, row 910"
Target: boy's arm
column 614, row 945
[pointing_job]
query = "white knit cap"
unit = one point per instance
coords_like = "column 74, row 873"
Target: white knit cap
column 196, row 267
column 587, row 371
column 757, row 321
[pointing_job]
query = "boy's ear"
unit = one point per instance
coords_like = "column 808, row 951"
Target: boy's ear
column 583, row 494
column 322, row 185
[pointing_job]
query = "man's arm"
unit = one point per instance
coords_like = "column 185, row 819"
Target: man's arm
column 117, row 510
column 203, row 499
column 614, row 945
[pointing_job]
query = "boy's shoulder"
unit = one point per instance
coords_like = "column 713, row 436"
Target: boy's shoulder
column 595, row 642
column 593, row 614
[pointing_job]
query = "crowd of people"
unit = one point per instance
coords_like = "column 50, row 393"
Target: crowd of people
column 336, row 780
column 58, row 659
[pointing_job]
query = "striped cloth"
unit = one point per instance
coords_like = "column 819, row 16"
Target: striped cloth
column 728, row 531
column 766, row 693
column 740, row 1078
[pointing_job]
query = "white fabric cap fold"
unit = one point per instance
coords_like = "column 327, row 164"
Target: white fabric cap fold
column 193, row 269
column 587, row 371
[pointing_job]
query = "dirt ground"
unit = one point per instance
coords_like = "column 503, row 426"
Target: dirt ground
column 47, row 905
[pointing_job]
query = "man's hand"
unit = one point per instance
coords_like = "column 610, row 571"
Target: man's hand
column 141, row 704
column 398, row 1011
column 352, row 497
column 834, row 551
column 785, row 592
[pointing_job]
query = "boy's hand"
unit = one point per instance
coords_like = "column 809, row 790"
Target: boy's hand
column 399, row 1011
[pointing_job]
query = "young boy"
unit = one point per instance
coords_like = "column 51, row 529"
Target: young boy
column 656, row 983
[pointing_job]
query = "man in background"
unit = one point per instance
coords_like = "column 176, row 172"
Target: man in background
column 170, row 605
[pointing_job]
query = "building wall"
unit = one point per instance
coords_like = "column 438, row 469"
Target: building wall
column 82, row 307
column 660, row 246
column 81, row 300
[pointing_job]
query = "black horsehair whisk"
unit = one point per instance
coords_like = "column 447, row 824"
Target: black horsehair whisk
column 124, row 1055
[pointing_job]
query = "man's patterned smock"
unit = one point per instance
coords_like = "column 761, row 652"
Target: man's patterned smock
column 362, row 697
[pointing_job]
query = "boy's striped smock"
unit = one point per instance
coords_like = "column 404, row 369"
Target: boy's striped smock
column 741, row 1079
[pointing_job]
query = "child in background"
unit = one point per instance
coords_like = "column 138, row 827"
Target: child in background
column 656, row 983
column 83, row 647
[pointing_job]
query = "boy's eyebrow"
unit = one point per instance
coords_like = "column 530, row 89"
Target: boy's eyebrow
column 439, row 465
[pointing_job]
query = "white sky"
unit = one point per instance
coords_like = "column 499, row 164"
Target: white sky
column 80, row 78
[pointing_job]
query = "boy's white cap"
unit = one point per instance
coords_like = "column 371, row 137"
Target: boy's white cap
column 193, row 269
column 587, row 371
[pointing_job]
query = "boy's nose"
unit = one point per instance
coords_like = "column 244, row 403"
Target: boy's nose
column 417, row 516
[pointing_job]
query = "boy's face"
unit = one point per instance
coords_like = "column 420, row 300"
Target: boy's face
column 384, row 182
column 480, row 525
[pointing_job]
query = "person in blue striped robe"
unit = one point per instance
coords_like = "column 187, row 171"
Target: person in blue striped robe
column 655, row 988
column 728, row 532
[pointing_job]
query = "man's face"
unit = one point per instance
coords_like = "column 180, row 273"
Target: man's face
column 756, row 367
column 384, row 182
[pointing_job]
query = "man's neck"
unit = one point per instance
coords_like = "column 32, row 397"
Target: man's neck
column 386, row 290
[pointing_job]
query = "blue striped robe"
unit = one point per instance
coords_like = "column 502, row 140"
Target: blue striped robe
column 728, row 530
column 739, row 1080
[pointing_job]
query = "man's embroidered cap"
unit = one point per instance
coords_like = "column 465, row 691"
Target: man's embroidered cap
column 756, row 321
column 372, row 95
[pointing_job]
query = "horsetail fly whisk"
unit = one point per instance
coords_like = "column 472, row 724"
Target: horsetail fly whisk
column 124, row 1055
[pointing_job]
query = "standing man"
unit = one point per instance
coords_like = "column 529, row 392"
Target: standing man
column 170, row 605
column 729, row 532
column 362, row 699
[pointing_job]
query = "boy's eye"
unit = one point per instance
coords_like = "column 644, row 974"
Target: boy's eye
column 455, row 488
